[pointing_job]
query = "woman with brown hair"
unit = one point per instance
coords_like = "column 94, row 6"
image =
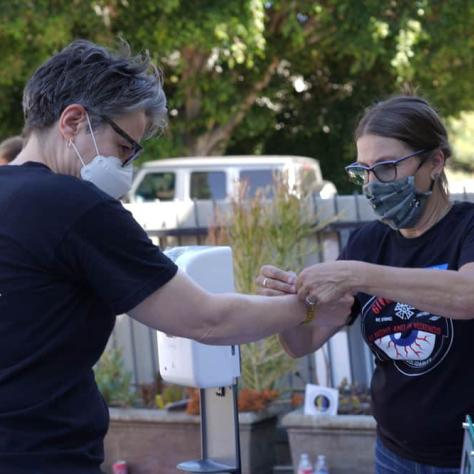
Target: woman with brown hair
column 412, row 275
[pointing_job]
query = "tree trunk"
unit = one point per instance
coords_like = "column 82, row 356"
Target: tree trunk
column 215, row 140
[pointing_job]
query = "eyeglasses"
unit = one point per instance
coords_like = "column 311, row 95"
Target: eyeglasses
column 384, row 171
column 136, row 147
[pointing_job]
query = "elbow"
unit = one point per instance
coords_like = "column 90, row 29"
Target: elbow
column 293, row 350
column 463, row 307
column 464, row 312
column 297, row 354
column 293, row 354
column 211, row 322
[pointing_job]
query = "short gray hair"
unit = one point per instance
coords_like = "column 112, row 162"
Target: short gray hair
column 105, row 83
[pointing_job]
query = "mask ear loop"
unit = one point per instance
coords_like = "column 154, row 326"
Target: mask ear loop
column 92, row 133
column 70, row 144
column 434, row 178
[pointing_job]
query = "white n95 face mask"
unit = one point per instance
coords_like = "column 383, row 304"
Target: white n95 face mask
column 106, row 172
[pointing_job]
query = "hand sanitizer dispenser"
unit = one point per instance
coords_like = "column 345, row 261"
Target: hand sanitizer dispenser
column 184, row 361
column 212, row 369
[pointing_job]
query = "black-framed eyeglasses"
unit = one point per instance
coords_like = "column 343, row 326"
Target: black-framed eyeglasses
column 384, row 171
column 136, row 147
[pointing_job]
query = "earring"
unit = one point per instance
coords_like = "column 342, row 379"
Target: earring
column 69, row 143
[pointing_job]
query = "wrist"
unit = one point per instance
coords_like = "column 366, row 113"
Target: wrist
column 357, row 276
column 297, row 309
column 310, row 309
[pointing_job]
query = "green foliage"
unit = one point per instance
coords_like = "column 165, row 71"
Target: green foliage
column 256, row 76
column 112, row 379
column 115, row 384
column 353, row 399
column 169, row 394
column 462, row 129
column 262, row 230
column 158, row 394
column 29, row 33
column 264, row 364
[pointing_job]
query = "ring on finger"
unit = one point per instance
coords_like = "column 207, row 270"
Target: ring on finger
column 264, row 283
column 310, row 301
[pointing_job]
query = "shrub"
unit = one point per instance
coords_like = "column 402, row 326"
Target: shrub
column 113, row 380
column 276, row 226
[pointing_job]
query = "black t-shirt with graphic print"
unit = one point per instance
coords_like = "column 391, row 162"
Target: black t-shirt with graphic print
column 423, row 384
column 71, row 258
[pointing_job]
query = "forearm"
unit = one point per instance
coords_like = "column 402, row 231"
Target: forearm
column 182, row 308
column 305, row 339
column 444, row 293
column 237, row 319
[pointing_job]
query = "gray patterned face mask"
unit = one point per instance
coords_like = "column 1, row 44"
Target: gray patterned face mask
column 398, row 203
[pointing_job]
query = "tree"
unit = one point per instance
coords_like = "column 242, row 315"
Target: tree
column 381, row 48
column 30, row 31
column 256, row 76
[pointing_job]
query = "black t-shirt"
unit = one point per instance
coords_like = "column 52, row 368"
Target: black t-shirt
column 71, row 258
column 423, row 384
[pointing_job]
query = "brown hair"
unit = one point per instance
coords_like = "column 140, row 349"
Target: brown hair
column 10, row 147
column 410, row 119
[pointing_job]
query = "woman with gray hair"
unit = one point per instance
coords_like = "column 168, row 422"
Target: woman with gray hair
column 412, row 275
column 72, row 258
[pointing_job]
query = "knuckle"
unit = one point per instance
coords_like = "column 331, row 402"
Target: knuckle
column 272, row 272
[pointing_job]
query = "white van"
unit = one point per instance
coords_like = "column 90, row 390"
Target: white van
column 184, row 193
column 214, row 178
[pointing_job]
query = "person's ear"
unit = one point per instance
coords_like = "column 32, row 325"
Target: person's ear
column 70, row 121
column 437, row 164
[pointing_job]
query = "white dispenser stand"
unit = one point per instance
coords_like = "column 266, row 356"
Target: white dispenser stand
column 212, row 369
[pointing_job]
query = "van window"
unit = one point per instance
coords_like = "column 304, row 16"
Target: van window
column 157, row 186
column 208, row 185
column 256, row 179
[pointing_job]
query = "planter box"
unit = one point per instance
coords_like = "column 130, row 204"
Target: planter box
column 155, row 441
column 347, row 441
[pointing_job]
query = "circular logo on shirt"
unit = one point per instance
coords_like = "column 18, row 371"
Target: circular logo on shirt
column 416, row 341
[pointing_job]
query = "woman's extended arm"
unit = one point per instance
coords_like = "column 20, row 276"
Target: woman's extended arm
column 445, row 293
column 182, row 308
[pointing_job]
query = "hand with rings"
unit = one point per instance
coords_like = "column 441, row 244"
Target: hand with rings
column 310, row 300
column 272, row 281
column 326, row 282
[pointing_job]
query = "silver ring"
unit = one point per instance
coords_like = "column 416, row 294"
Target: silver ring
column 309, row 301
column 264, row 283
